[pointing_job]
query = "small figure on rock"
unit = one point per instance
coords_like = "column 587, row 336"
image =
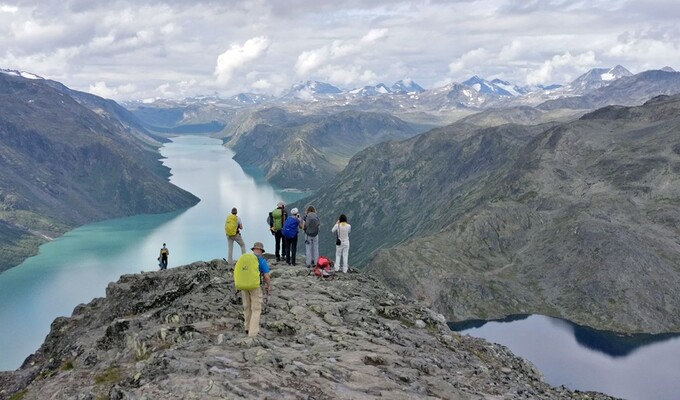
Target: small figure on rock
column 233, row 227
column 249, row 272
column 342, row 229
column 290, row 232
column 163, row 257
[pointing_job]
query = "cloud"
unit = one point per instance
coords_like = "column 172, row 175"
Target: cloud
column 102, row 90
column 373, row 35
column 564, row 63
column 470, row 60
column 8, row 9
column 238, row 56
column 346, row 75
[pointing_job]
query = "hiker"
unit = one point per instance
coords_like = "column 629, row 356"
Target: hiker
column 232, row 228
column 310, row 224
column 342, row 230
column 163, row 257
column 291, row 225
column 249, row 269
column 275, row 221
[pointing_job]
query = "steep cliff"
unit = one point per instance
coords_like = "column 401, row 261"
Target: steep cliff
column 178, row 334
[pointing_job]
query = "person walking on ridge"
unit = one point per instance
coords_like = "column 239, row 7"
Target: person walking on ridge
column 232, row 228
column 248, row 272
column 342, row 229
column 163, row 257
column 275, row 220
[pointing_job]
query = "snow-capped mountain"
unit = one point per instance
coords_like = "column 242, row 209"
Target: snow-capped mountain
column 496, row 87
column 371, row 90
column 311, row 90
column 23, row 74
column 596, row 78
column 405, row 86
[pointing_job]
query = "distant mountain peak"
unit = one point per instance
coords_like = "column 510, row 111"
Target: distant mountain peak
column 316, row 87
column 668, row 69
column 597, row 78
column 407, row 85
column 495, row 87
column 23, row 74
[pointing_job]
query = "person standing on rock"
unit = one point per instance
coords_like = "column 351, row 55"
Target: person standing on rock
column 275, row 220
column 310, row 224
column 248, row 272
column 232, row 228
column 163, row 257
column 342, row 229
column 290, row 232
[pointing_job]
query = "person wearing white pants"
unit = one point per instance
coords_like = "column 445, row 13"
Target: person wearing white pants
column 342, row 229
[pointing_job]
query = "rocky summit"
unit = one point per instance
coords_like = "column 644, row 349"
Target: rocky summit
column 179, row 334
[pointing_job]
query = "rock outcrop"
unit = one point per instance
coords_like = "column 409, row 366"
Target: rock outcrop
column 178, row 334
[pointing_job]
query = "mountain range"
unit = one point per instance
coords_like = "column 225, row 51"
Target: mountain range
column 576, row 220
column 68, row 158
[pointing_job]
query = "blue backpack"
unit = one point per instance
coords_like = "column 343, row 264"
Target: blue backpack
column 290, row 227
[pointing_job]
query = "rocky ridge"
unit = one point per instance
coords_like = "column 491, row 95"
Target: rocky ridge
column 178, row 334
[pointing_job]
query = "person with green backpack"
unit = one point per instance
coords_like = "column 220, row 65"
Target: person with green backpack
column 232, row 228
column 247, row 273
column 275, row 220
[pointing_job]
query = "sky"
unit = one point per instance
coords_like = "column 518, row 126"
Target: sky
column 143, row 49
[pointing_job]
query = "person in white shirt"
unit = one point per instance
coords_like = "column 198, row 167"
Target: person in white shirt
column 342, row 230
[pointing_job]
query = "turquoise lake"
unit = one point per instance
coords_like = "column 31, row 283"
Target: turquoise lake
column 77, row 267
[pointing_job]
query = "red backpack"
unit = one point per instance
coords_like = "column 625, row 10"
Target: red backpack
column 324, row 268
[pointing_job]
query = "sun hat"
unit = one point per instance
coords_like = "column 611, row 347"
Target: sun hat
column 258, row 245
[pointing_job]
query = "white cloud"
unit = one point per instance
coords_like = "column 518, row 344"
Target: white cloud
column 471, row 60
column 374, row 34
column 510, row 51
column 564, row 63
column 100, row 89
column 238, row 56
column 348, row 75
column 261, row 84
column 310, row 60
column 152, row 44
column 8, row 9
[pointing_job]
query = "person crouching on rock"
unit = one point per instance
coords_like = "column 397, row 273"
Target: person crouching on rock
column 247, row 272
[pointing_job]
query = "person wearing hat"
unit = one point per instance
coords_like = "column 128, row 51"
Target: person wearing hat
column 252, row 299
column 290, row 233
column 232, row 228
column 275, row 219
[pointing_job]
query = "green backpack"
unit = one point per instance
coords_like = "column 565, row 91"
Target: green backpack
column 247, row 272
column 277, row 219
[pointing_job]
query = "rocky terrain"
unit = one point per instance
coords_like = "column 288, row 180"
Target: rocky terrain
column 577, row 220
column 178, row 334
column 68, row 158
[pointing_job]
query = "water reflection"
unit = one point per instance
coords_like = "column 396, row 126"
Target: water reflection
column 629, row 366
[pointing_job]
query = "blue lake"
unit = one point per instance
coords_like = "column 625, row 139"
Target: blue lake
column 77, row 267
column 635, row 367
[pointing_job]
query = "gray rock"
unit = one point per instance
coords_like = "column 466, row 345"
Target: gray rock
column 175, row 334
